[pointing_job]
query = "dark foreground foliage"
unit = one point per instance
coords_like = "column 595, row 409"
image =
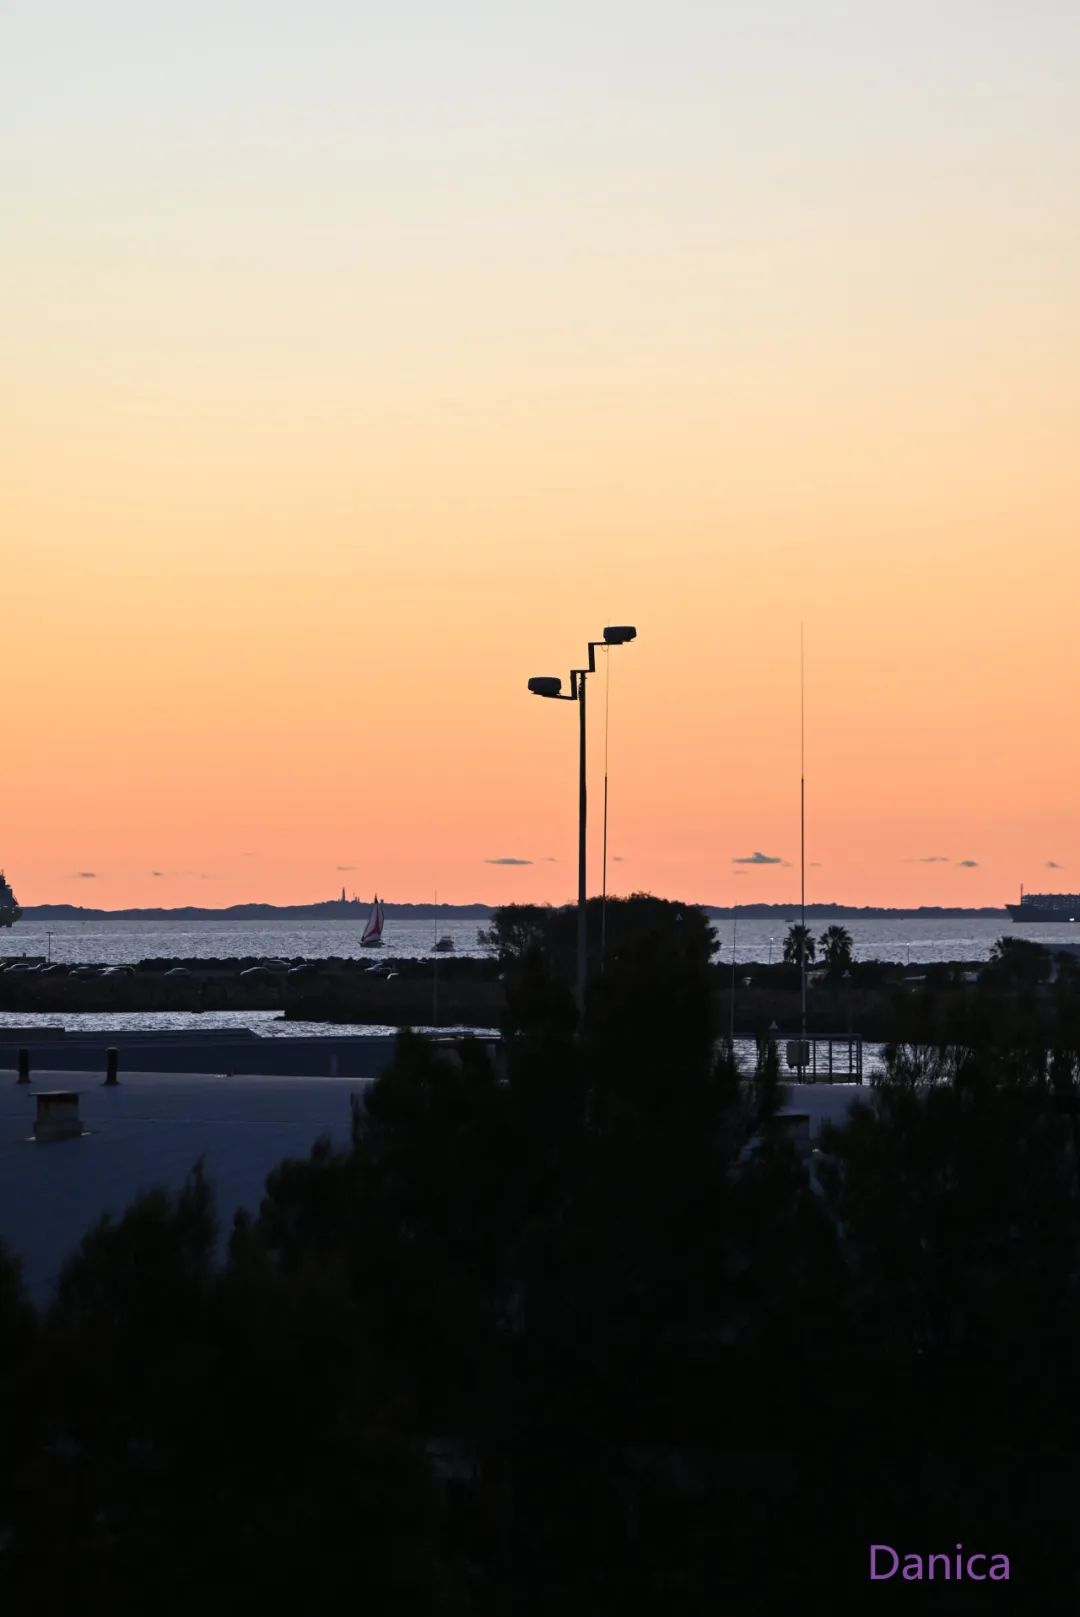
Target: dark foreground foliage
column 580, row 1335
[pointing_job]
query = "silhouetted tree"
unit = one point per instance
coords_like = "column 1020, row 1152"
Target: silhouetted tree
column 19, row 1367
column 836, row 949
column 1018, row 962
column 767, row 1076
column 212, row 1429
column 799, row 944
column 520, row 930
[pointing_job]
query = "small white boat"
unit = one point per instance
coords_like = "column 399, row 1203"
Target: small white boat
column 372, row 934
column 444, row 945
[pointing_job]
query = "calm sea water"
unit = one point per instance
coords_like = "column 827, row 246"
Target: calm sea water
column 126, row 942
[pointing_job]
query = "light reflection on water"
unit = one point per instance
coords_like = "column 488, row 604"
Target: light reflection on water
column 266, row 1024
column 98, row 942
column 270, row 1024
column 126, row 942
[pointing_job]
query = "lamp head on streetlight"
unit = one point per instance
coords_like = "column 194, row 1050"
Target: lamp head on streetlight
column 619, row 635
column 543, row 685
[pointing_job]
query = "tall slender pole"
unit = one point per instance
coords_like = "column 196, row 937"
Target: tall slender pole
column 802, row 835
column 435, row 967
column 734, row 940
column 581, row 956
column 603, row 888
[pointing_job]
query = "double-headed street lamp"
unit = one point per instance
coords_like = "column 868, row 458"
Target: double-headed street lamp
column 545, row 686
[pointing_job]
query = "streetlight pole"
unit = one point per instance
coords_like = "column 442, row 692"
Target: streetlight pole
column 603, row 882
column 544, row 685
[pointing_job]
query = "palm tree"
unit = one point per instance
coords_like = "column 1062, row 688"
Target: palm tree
column 836, row 949
column 799, row 944
column 1019, row 961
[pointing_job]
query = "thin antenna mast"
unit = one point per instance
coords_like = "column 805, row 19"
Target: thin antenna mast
column 731, row 1007
column 435, row 967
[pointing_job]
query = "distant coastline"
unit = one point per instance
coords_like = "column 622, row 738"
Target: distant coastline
column 350, row 910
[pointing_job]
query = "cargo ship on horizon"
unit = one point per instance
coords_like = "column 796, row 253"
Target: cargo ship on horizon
column 1052, row 908
column 9, row 907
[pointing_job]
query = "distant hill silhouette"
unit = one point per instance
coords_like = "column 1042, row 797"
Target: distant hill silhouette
column 337, row 909
column 334, row 909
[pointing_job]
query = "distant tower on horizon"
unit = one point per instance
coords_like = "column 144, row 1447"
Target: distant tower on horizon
column 343, row 893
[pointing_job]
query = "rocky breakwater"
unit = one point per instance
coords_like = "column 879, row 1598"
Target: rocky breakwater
column 389, row 993
column 401, row 993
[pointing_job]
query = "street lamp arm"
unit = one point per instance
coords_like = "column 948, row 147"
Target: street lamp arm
column 550, row 687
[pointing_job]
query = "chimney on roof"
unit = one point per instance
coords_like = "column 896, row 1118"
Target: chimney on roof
column 57, row 1115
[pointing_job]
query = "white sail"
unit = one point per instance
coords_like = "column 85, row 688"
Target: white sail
column 373, row 931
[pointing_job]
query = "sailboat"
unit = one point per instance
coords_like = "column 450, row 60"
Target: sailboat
column 372, row 934
column 445, row 944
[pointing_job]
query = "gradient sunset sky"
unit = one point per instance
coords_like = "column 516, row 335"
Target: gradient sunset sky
column 363, row 361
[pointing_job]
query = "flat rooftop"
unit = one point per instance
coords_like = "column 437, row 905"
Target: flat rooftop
column 150, row 1130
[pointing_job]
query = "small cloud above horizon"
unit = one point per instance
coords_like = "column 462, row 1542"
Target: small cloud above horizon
column 933, row 859
column 508, row 861
column 1052, row 864
column 549, row 859
column 968, row 864
column 758, row 859
column 157, row 873
column 344, row 867
column 86, row 875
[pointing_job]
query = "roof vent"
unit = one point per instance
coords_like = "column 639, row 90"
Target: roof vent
column 57, row 1115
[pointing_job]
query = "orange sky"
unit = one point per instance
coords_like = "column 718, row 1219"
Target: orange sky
column 337, row 405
